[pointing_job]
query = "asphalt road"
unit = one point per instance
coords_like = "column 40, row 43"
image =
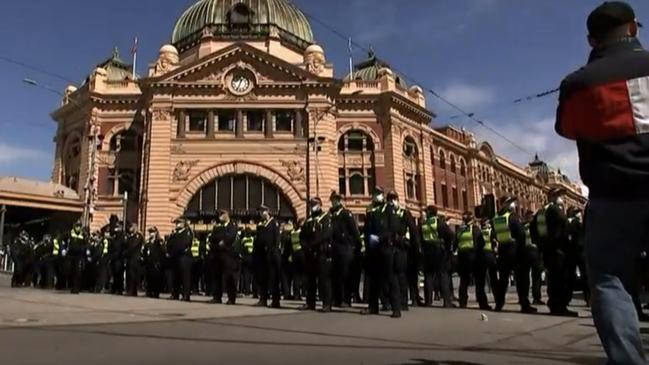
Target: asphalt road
column 43, row 327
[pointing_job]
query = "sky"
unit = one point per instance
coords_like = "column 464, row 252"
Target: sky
column 480, row 54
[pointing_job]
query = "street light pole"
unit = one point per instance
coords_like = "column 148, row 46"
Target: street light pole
column 3, row 211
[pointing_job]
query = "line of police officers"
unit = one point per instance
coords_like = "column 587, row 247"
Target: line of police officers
column 324, row 258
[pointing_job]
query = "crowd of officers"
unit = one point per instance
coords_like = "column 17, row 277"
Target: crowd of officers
column 327, row 257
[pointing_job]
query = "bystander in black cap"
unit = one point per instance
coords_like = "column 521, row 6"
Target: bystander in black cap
column 609, row 16
column 431, row 210
column 335, row 195
column 315, row 201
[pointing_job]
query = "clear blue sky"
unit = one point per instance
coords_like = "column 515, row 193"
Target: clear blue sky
column 482, row 54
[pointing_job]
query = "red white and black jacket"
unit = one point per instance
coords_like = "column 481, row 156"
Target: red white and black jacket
column 605, row 107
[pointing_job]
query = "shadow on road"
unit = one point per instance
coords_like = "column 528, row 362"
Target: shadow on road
column 558, row 354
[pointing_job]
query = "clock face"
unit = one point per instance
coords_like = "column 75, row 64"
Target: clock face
column 240, row 84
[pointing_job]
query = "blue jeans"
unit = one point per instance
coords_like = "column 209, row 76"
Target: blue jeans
column 616, row 233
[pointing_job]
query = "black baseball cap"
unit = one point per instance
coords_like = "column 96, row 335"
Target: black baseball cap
column 608, row 16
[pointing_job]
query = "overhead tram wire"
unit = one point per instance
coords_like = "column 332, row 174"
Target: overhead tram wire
column 468, row 115
column 37, row 69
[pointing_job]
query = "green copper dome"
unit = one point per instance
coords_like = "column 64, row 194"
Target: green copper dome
column 242, row 19
column 368, row 70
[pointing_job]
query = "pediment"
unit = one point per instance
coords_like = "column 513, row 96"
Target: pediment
column 263, row 67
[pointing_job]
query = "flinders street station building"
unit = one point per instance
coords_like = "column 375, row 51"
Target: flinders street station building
column 242, row 108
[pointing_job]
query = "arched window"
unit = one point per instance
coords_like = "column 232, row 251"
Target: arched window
column 355, row 141
column 411, row 168
column 462, row 167
column 432, row 156
column 71, row 164
column 442, row 159
column 357, row 182
column 453, row 166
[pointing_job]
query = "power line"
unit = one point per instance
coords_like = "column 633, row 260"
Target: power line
column 37, row 69
column 463, row 112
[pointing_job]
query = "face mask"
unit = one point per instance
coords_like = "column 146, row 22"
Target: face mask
column 394, row 203
column 578, row 216
column 379, row 198
column 179, row 226
column 512, row 206
column 316, row 208
column 265, row 216
column 223, row 218
column 559, row 201
column 336, row 203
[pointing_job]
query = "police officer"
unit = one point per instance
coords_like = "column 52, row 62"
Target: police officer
column 246, row 278
column 346, row 240
column 382, row 231
column 153, row 256
column 408, row 257
column 93, row 252
column 39, row 267
column 437, row 241
column 316, row 238
column 103, row 261
column 77, row 246
column 286, row 251
column 297, row 262
column 510, row 236
column 469, row 238
column 226, row 264
column 48, row 269
column 116, row 254
column 18, row 250
column 267, row 259
column 575, row 252
column 179, row 246
column 132, row 256
column 60, row 262
column 551, row 226
column 486, row 265
column 535, row 259
column 197, row 254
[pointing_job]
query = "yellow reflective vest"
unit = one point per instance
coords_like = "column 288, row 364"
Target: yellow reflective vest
column 429, row 231
column 196, row 244
column 465, row 238
column 501, row 226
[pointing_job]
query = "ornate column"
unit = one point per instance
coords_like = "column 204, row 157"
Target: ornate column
column 268, row 127
column 210, row 124
column 298, row 127
column 239, row 124
column 181, row 124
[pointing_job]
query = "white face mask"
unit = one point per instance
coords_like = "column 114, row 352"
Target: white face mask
column 265, row 216
column 512, row 206
column 578, row 216
column 379, row 198
column 179, row 226
column 316, row 208
column 559, row 201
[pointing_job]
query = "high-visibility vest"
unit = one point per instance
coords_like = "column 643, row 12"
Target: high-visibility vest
column 196, row 244
column 295, row 240
column 465, row 238
column 248, row 243
column 429, row 231
column 105, row 249
column 486, row 235
column 76, row 235
column 318, row 220
column 501, row 226
column 363, row 243
column 55, row 247
column 542, row 222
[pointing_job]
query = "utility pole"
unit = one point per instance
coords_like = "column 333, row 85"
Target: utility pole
column 89, row 206
column 3, row 211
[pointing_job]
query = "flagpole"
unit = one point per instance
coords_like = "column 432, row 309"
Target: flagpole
column 134, row 52
column 351, row 60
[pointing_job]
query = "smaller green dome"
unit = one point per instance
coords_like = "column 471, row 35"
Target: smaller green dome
column 368, row 70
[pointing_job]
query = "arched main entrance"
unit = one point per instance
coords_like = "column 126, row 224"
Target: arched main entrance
column 241, row 195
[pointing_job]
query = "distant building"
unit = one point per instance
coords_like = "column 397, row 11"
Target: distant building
column 226, row 115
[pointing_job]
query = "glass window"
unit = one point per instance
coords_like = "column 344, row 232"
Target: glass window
column 227, row 120
column 410, row 148
column 453, row 167
column 465, row 200
column 224, row 189
column 355, row 141
column 284, row 120
column 254, row 195
column 240, row 191
column 270, row 197
column 442, row 160
column 342, row 186
column 410, row 187
column 462, row 168
column 445, row 195
column 255, row 121
column 125, row 141
column 356, row 182
column 208, row 200
column 371, row 180
column 197, row 121
column 456, row 199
